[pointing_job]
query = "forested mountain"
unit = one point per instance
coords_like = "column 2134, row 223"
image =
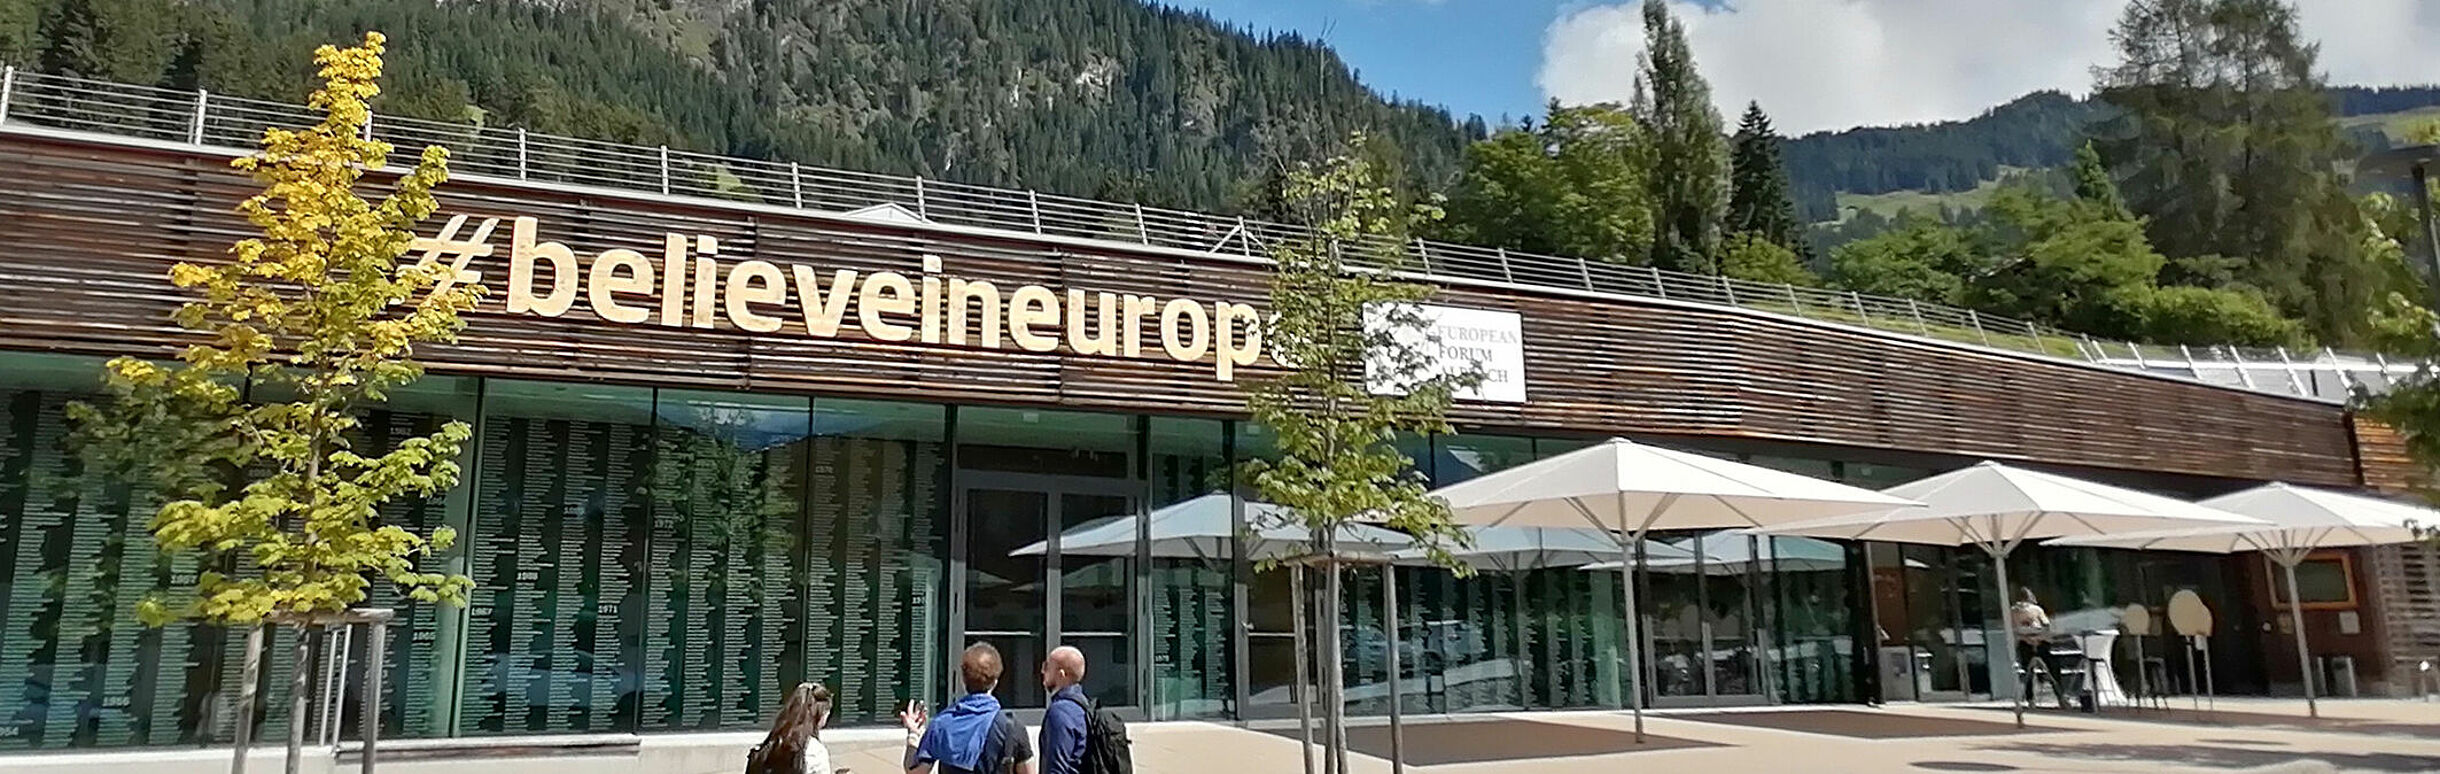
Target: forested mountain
column 2036, row 131
column 1111, row 98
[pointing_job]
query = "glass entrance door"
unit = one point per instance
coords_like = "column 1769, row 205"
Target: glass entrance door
column 1701, row 616
column 1048, row 561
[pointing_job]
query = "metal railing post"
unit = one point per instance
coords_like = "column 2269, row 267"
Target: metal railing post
column 2294, row 382
column 368, row 126
column 1795, row 302
column 796, row 185
column 1917, row 310
column 1657, row 287
column 664, row 170
column 2237, row 359
column 1728, row 290
column 1423, row 252
column 1584, row 268
column 2034, row 333
column 2196, row 369
column 1860, row 311
column 8, row 88
column 1975, row 319
column 1245, row 242
column 376, row 666
column 1143, row 234
column 923, row 207
column 1033, row 209
column 194, row 125
column 522, row 169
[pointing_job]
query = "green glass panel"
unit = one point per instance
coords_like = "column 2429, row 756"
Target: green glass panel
column 727, row 518
column 875, row 599
column 563, row 515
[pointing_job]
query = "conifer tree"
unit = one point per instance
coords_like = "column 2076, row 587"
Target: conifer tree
column 1758, row 200
column 2225, row 144
column 76, row 42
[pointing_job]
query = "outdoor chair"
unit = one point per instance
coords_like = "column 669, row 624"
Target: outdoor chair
column 2153, row 687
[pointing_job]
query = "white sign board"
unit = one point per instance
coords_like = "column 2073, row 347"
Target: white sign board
column 1455, row 341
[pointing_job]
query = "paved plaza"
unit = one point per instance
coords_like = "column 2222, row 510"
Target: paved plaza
column 2260, row 735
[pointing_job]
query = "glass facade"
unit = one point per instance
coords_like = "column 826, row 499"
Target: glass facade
column 657, row 560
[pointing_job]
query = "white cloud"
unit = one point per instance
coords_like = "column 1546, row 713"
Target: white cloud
column 1829, row 64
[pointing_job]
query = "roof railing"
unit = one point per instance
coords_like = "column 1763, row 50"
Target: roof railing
column 213, row 120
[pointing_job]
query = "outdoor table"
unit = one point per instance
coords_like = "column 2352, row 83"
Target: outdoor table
column 2099, row 677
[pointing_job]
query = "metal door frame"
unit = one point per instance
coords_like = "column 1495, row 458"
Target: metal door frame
column 1763, row 666
column 1053, row 488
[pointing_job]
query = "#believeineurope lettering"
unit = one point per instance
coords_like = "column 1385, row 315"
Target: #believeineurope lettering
column 689, row 286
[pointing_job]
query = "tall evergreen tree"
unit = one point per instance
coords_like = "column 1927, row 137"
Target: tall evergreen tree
column 1758, row 200
column 2226, row 145
column 76, row 43
column 1690, row 155
column 2093, row 183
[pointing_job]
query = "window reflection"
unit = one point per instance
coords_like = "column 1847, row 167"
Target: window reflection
column 1191, row 596
column 728, row 490
column 558, row 618
column 876, row 472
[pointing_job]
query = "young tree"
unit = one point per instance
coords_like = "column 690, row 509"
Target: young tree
column 321, row 318
column 1758, row 200
column 1690, row 159
column 1920, row 259
column 1577, row 185
column 1346, row 327
column 1748, row 256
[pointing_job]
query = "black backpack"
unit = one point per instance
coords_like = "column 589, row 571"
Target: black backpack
column 756, row 764
column 1106, row 747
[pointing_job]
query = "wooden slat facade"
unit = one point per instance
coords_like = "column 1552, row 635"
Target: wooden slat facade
column 2404, row 580
column 89, row 228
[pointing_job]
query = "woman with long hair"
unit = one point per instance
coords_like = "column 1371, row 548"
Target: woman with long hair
column 794, row 745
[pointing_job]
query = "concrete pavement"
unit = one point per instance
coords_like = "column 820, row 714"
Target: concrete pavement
column 2248, row 735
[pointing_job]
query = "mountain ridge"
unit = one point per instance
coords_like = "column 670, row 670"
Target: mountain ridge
column 2038, row 130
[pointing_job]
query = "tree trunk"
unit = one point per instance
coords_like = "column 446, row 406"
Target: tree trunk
column 248, row 678
column 300, row 695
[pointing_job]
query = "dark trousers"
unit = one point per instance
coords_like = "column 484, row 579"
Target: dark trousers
column 2026, row 654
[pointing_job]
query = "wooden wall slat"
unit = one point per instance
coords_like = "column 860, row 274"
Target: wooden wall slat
column 90, row 230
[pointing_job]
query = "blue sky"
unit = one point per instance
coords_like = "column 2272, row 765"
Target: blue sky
column 1473, row 56
column 1814, row 64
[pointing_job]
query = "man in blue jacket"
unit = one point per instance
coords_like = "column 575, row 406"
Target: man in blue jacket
column 1063, row 722
column 973, row 735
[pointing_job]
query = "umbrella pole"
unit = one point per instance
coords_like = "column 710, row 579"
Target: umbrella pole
column 1626, row 575
column 1516, row 588
column 2007, row 622
column 2304, row 655
column 1389, row 625
column 1304, row 658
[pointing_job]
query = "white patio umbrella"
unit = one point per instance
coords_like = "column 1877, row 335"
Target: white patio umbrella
column 2301, row 520
column 1201, row 528
column 1631, row 489
column 1996, row 508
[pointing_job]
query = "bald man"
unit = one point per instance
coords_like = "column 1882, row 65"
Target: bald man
column 1063, row 723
